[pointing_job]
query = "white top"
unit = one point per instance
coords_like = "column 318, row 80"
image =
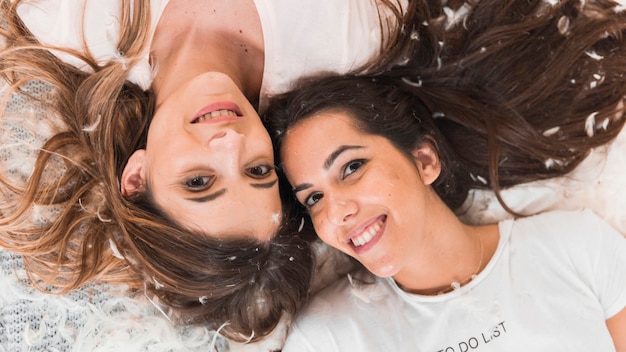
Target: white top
column 552, row 283
column 301, row 37
column 309, row 37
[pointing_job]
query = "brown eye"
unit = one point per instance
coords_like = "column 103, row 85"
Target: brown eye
column 260, row 171
column 198, row 183
column 352, row 166
column 312, row 199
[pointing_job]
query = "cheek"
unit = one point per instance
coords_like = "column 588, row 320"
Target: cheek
column 262, row 138
column 323, row 229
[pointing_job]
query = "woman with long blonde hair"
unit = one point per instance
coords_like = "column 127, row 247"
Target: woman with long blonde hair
column 157, row 170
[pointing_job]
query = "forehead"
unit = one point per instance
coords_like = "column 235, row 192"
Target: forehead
column 310, row 142
column 318, row 132
column 336, row 122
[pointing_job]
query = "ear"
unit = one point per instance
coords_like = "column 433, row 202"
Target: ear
column 133, row 178
column 427, row 162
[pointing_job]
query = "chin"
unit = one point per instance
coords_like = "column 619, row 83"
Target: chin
column 387, row 270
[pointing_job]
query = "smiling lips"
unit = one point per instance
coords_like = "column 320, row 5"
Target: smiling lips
column 218, row 112
column 217, row 116
column 369, row 232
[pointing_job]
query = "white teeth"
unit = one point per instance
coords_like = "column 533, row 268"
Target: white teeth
column 216, row 113
column 367, row 235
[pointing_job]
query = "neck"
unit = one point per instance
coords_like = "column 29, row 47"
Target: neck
column 194, row 37
column 453, row 254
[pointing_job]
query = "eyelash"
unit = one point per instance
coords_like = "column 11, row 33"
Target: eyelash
column 358, row 162
column 269, row 169
column 207, row 182
column 346, row 171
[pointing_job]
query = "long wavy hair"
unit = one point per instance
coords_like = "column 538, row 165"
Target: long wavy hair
column 241, row 286
column 523, row 89
column 519, row 90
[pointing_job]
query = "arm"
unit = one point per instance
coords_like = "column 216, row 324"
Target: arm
column 603, row 265
column 617, row 329
column 610, row 275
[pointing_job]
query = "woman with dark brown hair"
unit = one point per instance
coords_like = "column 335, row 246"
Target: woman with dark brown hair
column 510, row 92
column 373, row 170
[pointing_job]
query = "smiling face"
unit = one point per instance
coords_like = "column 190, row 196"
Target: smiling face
column 364, row 196
column 209, row 161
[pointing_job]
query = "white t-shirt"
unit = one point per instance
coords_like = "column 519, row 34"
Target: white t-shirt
column 309, row 37
column 301, row 37
column 551, row 285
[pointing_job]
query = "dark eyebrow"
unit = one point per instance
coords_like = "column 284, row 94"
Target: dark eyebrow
column 334, row 155
column 208, row 197
column 264, row 185
column 327, row 164
column 301, row 187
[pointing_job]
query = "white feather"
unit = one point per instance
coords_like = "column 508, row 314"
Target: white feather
column 93, row 126
column 551, row 131
column 590, row 124
column 114, row 250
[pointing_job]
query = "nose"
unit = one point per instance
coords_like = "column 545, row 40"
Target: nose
column 224, row 140
column 341, row 210
column 226, row 148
